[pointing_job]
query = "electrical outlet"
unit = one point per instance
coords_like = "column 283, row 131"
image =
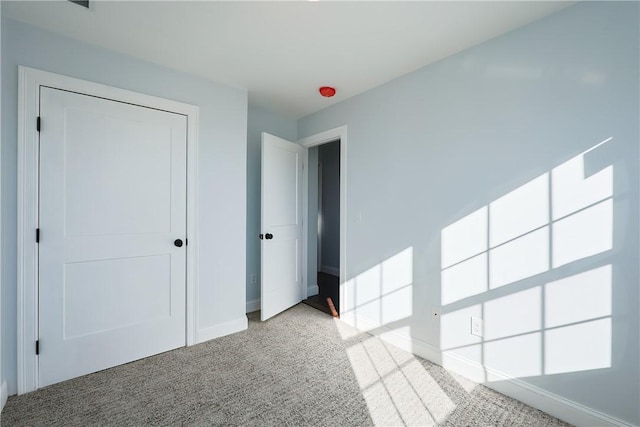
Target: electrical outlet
column 477, row 326
column 254, row 279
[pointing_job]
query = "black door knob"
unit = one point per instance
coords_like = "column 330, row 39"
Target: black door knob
column 268, row 236
column 178, row 243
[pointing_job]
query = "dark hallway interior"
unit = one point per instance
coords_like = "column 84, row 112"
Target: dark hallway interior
column 329, row 287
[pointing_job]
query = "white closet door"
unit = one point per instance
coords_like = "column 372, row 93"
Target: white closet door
column 112, row 209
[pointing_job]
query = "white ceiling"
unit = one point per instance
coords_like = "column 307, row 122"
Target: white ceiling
column 281, row 52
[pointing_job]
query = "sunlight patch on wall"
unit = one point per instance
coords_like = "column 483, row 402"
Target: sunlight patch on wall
column 575, row 301
column 572, row 190
column 383, row 294
column 366, row 293
column 514, row 314
column 585, row 233
column 464, row 238
column 455, row 321
column 551, row 221
column 579, row 347
column 592, row 288
column 397, row 305
column 527, row 334
column 518, row 259
column 472, row 272
column 522, row 210
column 516, row 356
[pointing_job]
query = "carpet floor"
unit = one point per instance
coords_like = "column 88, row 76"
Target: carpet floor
column 300, row 368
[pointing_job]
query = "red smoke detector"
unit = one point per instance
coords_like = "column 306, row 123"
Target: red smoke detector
column 327, row 91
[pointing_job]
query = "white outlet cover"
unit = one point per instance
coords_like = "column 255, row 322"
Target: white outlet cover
column 477, row 327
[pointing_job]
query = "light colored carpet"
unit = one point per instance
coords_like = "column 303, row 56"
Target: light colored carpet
column 301, row 368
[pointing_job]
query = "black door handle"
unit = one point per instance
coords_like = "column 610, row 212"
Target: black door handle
column 261, row 236
column 268, row 236
column 178, row 243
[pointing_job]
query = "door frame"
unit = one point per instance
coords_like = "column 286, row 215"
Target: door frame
column 319, row 249
column 29, row 82
column 309, row 142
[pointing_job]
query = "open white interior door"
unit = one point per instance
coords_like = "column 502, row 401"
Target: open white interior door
column 281, row 225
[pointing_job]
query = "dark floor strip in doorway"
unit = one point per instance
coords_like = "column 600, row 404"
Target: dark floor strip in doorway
column 329, row 287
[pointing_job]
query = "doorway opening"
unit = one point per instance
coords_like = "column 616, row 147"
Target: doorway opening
column 324, row 212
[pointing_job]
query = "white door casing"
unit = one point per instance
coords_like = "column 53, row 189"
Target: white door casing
column 30, row 83
column 339, row 133
column 281, row 225
column 112, row 203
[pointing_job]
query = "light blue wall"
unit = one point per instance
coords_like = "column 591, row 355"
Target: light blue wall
column 436, row 145
column 330, row 231
column 259, row 120
column 222, row 165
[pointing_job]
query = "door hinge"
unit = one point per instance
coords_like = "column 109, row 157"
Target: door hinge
column 37, row 235
column 38, row 124
column 37, row 347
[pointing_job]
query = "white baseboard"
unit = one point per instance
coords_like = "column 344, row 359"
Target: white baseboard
column 4, row 394
column 222, row 329
column 558, row 406
column 253, row 305
column 312, row 290
column 330, row 270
